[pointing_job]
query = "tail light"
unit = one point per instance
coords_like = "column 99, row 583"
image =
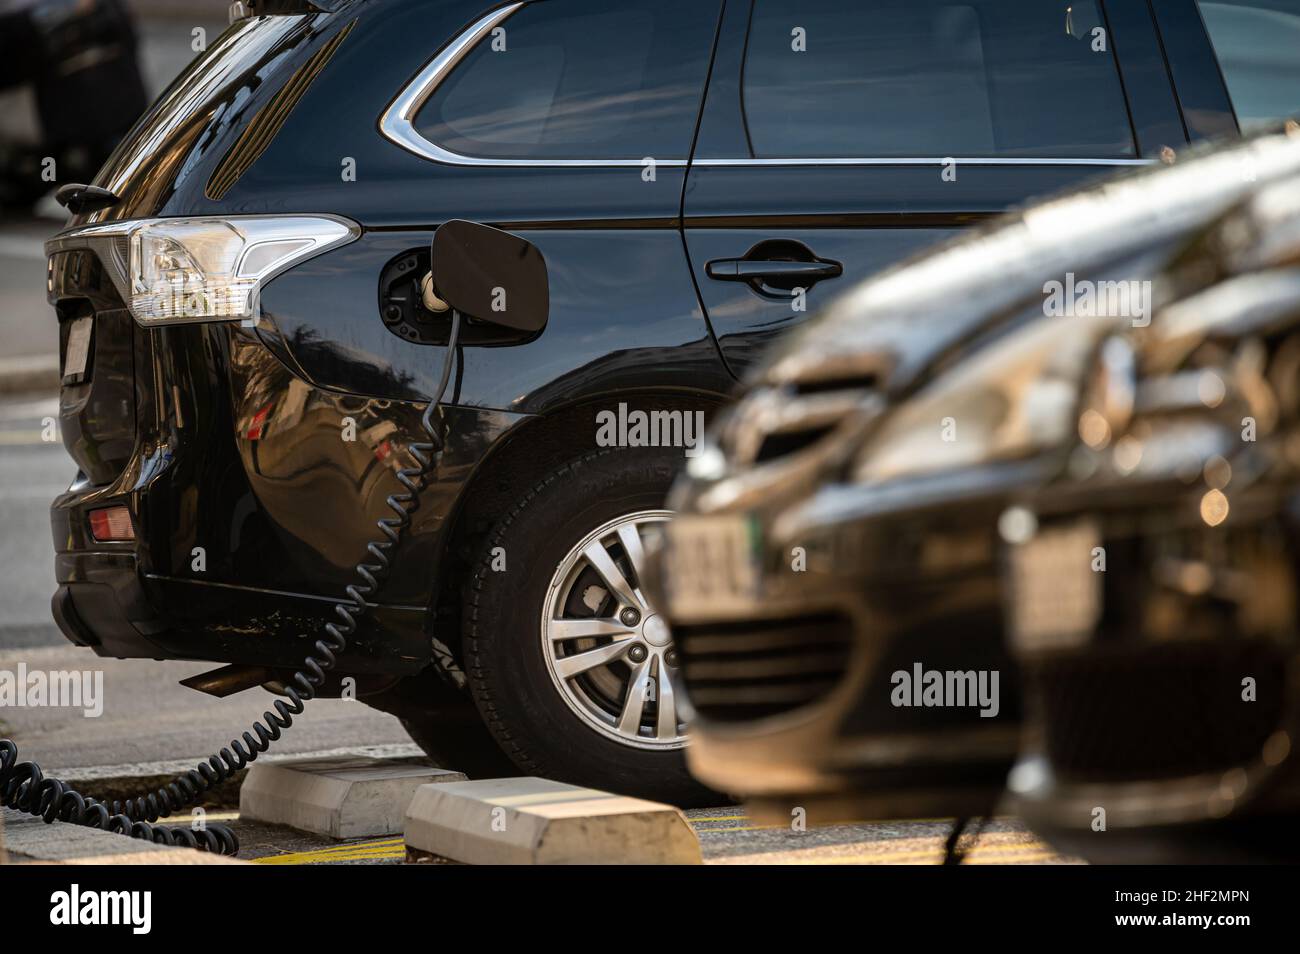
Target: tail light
column 111, row 524
column 212, row 269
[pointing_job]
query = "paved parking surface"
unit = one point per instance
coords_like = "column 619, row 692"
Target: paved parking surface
column 727, row 837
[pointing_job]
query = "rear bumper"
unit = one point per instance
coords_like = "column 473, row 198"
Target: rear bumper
column 103, row 602
column 101, row 587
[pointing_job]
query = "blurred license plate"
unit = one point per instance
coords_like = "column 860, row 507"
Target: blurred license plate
column 1056, row 594
column 74, row 360
column 712, row 562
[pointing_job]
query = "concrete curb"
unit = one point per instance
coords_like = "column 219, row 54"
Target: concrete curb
column 27, row 839
column 130, row 778
column 538, row 821
column 354, row 797
column 29, row 374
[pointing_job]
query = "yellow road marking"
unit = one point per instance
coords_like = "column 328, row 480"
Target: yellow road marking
column 22, row 438
column 353, row 845
column 359, row 852
column 1031, row 851
column 1018, row 859
column 699, row 820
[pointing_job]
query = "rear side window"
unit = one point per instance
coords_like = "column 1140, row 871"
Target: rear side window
column 579, row 79
column 930, row 78
column 1257, row 43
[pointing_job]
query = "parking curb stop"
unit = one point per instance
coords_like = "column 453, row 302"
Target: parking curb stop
column 341, row 797
column 538, row 821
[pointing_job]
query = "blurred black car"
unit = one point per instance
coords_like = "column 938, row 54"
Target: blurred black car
column 834, row 577
column 1151, row 582
column 79, row 57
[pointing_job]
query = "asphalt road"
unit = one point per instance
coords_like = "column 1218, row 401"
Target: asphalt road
column 27, row 324
column 32, row 473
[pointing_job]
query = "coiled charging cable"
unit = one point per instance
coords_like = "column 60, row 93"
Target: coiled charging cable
column 24, row 787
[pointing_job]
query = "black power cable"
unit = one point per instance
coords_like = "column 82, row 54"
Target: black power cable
column 953, row 852
column 24, row 787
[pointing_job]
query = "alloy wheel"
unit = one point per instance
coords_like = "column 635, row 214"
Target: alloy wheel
column 609, row 652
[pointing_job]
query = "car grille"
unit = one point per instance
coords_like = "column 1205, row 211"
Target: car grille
column 1164, row 711
column 734, row 672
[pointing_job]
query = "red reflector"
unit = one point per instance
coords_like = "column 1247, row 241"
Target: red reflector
column 111, row 523
column 258, row 423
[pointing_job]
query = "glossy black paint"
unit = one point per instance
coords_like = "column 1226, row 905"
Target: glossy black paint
column 1152, row 101
column 866, row 217
column 237, row 456
column 327, row 315
column 1202, row 93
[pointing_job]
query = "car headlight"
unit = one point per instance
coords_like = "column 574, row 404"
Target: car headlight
column 1014, row 397
column 213, row 268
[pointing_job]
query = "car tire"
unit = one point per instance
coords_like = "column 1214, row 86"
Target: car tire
column 444, row 722
column 464, row 746
column 536, row 715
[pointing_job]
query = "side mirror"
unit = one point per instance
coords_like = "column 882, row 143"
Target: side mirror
column 491, row 275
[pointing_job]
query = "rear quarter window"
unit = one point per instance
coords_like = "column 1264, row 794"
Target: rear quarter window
column 578, row 79
column 1257, row 43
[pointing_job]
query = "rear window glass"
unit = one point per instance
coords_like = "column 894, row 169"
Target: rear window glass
column 925, row 78
column 579, row 79
column 215, row 93
column 1257, row 43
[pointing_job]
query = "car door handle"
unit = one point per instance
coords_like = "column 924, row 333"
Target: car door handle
column 748, row 270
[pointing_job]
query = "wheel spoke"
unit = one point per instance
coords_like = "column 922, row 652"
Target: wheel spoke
column 630, row 720
column 630, row 537
column 666, row 727
column 569, row 666
column 603, row 564
column 559, row 629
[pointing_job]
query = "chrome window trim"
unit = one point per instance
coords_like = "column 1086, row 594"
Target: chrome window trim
column 398, row 126
column 398, row 121
column 925, row 161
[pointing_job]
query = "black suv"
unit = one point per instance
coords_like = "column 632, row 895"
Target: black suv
column 248, row 336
